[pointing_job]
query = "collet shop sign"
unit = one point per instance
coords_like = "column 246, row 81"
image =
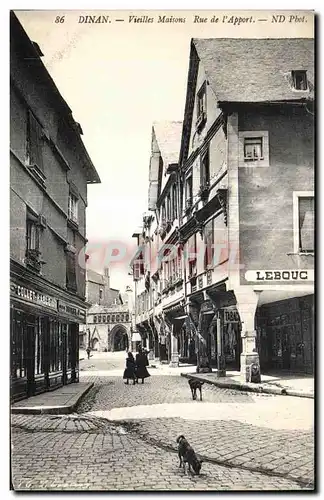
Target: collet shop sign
column 29, row 295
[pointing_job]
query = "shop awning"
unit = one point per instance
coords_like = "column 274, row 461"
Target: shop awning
column 269, row 296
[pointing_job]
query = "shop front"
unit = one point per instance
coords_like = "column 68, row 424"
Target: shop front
column 44, row 339
column 175, row 317
column 285, row 335
column 216, row 321
column 162, row 331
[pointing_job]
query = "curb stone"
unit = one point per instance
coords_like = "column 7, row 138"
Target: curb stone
column 247, row 388
column 52, row 410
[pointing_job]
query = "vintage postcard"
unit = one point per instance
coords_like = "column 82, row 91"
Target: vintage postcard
column 162, row 250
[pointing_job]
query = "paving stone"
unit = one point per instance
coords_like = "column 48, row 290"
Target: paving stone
column 81, row 451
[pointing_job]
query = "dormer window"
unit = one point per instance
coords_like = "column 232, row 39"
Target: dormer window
column 299, row 79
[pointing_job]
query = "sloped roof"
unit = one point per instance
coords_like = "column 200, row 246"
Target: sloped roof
column 256, row 70
column 21, row 44
column 95, row 277
column 168, row 137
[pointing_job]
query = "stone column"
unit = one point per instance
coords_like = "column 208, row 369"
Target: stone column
column 203, row 365
column 221, row 365
column 174, row 362
column 247, row 301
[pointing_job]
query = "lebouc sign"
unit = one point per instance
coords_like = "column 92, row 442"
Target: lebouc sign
column 280, row 275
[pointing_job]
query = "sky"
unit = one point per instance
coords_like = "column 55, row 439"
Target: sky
column 117, row 84
column 118, row 79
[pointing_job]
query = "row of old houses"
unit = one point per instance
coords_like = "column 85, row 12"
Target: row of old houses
column 50, row 171
column 224, row 267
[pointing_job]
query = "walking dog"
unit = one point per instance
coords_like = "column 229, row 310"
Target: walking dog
column 194, row 385
column 187, row 455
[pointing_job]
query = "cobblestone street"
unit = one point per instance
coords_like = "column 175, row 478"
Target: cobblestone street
column 122, row 437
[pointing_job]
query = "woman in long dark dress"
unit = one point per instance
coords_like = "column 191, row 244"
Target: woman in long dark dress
column 130, row 370
column 141, row 364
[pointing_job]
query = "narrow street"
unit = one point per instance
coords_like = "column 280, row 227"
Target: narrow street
column 123, row 437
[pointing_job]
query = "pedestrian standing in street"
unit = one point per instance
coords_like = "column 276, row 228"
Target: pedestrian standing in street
column 88, row 350
column 141, row 364
column 130, row 370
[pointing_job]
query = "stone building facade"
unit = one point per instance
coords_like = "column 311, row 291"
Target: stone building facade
column 245, row 231
column 50, row 170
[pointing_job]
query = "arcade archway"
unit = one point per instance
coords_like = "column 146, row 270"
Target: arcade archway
column 94, row 344
column 119, row 339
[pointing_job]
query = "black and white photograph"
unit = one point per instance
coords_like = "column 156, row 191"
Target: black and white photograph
column 162, row 307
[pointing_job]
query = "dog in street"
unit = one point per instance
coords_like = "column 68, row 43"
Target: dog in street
column 187, row 455
column 194, row 386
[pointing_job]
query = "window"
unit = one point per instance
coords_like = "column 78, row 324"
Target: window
column 209, row 242
column 108, row 318
column 71, row 271
column 55, row 347
column 192, row 255
column 174, row 202
column 39, row 348
column 113, row 318
column 163, row 214
column 35, row 136
column 188, row 191
column 100, row 293
column 254, row 149
column 127, row 317
column 306, row 224
column 299, row 80
column 99, row 318
column 95, row 319
column 18, row 345
column 73, row 208
column 117, row 318
column 32, row 241
column 104, row 319
column 69, row 346
column 201, row 106
column 32, row 235
column 304, row 221
column 204, row 170
column 168, row 208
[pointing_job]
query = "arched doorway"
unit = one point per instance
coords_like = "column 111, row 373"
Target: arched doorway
column 119, row 339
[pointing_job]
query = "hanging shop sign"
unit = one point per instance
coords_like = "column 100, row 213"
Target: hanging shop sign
column 71, row 310
column 231, row 315
column 300, row 275
column 32, row 296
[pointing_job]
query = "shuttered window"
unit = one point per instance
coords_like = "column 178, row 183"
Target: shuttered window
column 34, row 142
column 71, row 271
column 306, row 224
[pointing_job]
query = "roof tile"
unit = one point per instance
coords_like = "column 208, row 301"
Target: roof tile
column 254, row 69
